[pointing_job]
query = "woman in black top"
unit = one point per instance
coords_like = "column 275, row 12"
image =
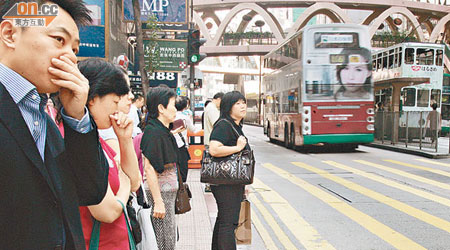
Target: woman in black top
column 223, row 142
column 160, row 150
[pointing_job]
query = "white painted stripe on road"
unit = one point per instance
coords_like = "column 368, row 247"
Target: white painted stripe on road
column 266, row 237
column 406, row 174
column 415, row 191
column 301, row 229
column 284, row 239
column 402, row 207
column 386, row 233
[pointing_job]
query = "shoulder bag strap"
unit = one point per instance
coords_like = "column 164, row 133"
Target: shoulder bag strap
column 127, row 221
column 95, row 235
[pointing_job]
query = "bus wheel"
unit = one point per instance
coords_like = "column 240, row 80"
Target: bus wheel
column 286, row 137
column 292, row 138
column 269, row 133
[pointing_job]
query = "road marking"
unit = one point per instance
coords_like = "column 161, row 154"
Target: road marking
column 386, row 233
column 436, row 171
column 415, row 191
column 403, row 207
column 301, row 229
column 284, row 239
column 268, row 242
column 434, row 162
column 406, row 174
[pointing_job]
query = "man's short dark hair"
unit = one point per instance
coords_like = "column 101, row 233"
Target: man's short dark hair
column 104, row 78
column 156, row 96
column 76, row 9
column 434, row 106
column 137, row 96
column 181, row 103
column 218, row 95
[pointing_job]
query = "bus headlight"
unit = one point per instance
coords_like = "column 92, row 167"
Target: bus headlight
column 370, row 111
column 370, row 119
column 370, row 127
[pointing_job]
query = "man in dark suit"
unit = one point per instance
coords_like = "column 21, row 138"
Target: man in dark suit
column 43, row 178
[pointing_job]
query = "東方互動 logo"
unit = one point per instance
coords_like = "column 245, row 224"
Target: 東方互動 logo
column 31, row 14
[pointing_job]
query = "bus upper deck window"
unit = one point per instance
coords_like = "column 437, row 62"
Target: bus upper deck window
column 439, row 55
column 409, row 56
column 425, row 57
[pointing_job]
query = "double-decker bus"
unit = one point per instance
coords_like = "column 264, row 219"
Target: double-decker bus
column 421, row 61
column 445, row 110
column 320, row 90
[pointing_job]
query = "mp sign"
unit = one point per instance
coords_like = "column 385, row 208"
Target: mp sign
column 166, row 11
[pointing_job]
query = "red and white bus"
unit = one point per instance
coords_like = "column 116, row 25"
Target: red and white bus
column 320, row 89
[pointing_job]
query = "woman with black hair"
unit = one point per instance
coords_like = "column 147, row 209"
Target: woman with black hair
column 108, row 83
column 355, row 75
column 160, row 149
column 228, row 138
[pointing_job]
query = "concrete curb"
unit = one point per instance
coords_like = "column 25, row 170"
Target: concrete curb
column 409, row 151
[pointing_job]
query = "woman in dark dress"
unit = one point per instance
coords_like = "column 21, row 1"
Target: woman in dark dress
column 160, row 150
column 224, row 141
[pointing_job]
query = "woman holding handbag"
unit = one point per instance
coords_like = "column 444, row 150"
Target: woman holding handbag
column 160, row 152
column 226, row 139
column 105, row 225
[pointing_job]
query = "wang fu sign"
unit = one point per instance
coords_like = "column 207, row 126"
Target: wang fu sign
column 166, row 11
column 172, row 54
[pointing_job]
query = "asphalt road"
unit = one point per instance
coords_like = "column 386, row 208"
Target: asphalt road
column 366, row 199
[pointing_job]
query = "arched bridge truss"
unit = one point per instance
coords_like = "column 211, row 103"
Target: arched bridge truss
column 434, row 17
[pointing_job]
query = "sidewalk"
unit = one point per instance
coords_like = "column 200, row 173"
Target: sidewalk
column 195, row 227
column 425, row 151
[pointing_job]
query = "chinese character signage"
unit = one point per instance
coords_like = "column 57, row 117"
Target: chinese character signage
column 172, row 54
column 166, row 11
column 93, row 37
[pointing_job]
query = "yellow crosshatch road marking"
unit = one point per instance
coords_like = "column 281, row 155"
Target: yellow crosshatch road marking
column 415, row 191
column 268, row 242
column 284, row 239
column 434, row 162
column 406, row 174
column 301, row 229
column 386, row 233
column 436, row 171
column 403, row 207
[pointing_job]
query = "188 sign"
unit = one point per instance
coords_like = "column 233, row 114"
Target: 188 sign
column 168, row 78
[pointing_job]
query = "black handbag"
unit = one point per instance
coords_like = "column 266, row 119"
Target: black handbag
column 238, row 168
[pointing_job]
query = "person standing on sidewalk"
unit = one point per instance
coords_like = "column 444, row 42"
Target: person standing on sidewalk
column 434, row 122
column 210, row 116
column 43, row 177
column 108, row 85
column 181, row 137
column 160, row 150
column 224, row 142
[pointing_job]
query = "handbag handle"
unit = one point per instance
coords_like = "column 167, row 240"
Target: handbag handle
column 180, row 181
column 234, row 129
column 95, row 234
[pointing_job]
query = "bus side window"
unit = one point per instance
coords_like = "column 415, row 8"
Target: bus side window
column 425, row 57
column 435, row 97
column 439, row 55
column 391, row 59
column 374, row 62
column 423, row 97
column 409, row 97
column 409, row 56
column 400, row 57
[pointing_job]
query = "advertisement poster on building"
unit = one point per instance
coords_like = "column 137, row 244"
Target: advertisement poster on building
column 166, row 11
column 172, row 54
column 93, row 37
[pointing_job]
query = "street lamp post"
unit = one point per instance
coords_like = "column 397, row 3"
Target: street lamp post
column 259, row 24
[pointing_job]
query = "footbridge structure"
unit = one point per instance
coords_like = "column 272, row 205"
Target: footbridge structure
column 427, row 21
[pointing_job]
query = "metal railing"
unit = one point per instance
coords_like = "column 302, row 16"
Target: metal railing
column 413, row 129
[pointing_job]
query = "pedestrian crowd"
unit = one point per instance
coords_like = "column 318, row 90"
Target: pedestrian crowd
column 78, row 150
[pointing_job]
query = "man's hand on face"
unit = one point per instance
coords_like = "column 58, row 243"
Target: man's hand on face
column 74, row 86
